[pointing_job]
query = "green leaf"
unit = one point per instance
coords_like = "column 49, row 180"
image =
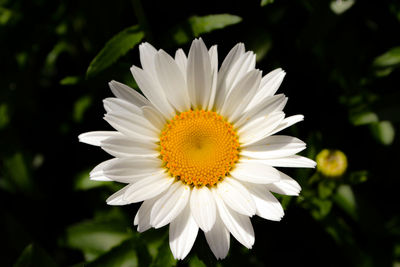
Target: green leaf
column 4, row 115
column 196, row 262
column 345, row 199
column 94, row 238
column 83, row 182
column 383, row 132
column 16, row 176
column 340, row 6
column 130, row 253
column 266, row 2
column 33, row 256
column 115, row 48
column 389, row 59
column 80, row 106
column 70, row 80
column 164, row 256
column 210, row 23
column 197, row 25
column 364, row 118
column 325, row 188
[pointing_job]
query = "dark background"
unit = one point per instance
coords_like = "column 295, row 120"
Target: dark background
column 342, row 74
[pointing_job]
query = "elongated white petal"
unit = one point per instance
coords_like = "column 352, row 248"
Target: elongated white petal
column 269, row 105
column 154, row 117
column 218, row 238
column 121, row 147
column 95, row 138
column 182, row 234
column 126, row 93
column 269, row 85
column 142, row 218
column 286, row 186
column 255, row 172
column 239, row 225
column 129, row 170
column 268, row 207
column 114, row 105
column 172, row 80
column 170, row 205
column 203, row 208
column 236, row 196
column 147, row 54
column 151, row 89
column 242, row 66
column 181, row 61
column 240, row 95
column 132, row 126
column 290, row 161
column 287, row 122
column 275, row 146
column 214, row 73
column 148, row 187
column 259, row 128
column 127, row 110
column 226, row 66
column 117, row 199
column 97, row 174
column 199, row 74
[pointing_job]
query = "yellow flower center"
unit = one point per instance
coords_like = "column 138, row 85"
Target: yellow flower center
column 199, row 147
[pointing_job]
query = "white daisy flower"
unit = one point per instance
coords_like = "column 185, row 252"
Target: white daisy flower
column 199, row 147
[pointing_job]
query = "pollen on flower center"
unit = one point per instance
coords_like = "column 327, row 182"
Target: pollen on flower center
column 199, row 147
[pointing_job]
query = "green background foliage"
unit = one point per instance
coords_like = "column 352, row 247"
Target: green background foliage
column 56, row 58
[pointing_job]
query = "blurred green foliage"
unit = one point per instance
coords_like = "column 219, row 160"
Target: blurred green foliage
column 342, row 60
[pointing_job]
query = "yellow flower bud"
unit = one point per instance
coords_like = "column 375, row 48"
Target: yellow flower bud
column 331, row 163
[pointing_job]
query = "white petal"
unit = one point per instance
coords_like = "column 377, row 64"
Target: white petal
column 126, row 93
column 116, row 105
column 275, row 146
column 259, row 128
column 242, row 66
column 290, row 161
column 122, row 146
column 226, row 66
column 269, row 85
column 199, row 74
column 255, row 172
column 129, row 170
column 218, row 238
column 269, row 105
column 203, row 207
column 268, row 207
column 151, row 89
column 239, row 225
column 182, row 234
column 132, row 126
column 147, row 54
column 97, row 174
column 95, row 138
column 117, row 199
column 287, row 122
column 154, row 117
column 142, row 218
column 181, row 61
column 148, row 187
column 172, row 81
column 170, row 205
column 286, row 186
column 236, row 196
column 240, row 95
column 214, row 71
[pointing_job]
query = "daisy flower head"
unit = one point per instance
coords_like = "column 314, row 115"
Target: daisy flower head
column 199, row 148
